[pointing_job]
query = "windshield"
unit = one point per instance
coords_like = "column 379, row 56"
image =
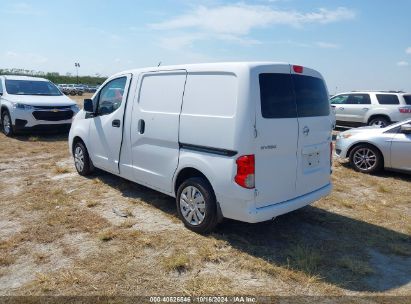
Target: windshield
column 29, row 87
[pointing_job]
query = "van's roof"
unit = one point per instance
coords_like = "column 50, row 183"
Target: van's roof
column 200, row 67
column 16, row 77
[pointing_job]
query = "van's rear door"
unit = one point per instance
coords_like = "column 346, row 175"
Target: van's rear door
column 314, row 134
column 277, row 136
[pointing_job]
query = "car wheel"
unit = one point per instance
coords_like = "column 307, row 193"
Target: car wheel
column 366, row 159
column 82, row 160
column 196, row 205
column 80, row 93
column 73, row 93
column 7, row 125
column 381, row 122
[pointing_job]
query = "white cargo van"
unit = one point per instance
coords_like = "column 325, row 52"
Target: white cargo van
column 245, row 141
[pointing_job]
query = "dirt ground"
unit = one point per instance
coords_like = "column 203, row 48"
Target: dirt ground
column 60, row 234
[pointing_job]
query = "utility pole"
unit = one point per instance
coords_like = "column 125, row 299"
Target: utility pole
column 77, row 65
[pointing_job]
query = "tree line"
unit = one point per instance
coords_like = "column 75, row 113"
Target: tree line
column 56, row 77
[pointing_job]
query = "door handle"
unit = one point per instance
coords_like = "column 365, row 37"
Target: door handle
column 365, row 109
column 116, row 123
column 141, row 126
column 342, row 109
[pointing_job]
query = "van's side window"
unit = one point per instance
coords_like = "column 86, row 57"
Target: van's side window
column 277, row 96
column 111, row 96
column 1, row 87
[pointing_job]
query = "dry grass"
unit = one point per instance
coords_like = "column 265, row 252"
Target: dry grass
column 7, row 260
column 304, row 258
column 61, row 170
column 357, row 267
column 320, row 250
column 177, row 261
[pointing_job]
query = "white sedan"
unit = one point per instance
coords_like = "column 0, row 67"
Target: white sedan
column 371, row 149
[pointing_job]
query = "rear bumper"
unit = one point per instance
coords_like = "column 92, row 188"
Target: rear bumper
column 269, row 212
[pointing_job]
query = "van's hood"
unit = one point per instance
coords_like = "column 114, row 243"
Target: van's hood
column 32, row 100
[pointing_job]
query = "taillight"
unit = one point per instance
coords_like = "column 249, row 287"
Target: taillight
column 246, row 171
column 405, row 110
column 298, row 69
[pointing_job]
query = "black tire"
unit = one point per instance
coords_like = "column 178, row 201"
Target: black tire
column 80, row 93
column 73, row 93
column 380, row 121
column 87, row 166
column 360, row 163
column 9, row 132
column 210, row 220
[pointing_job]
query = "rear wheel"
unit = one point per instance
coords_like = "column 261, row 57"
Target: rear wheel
column 366, row 159
column 196, row 205
column 379, row 121
column 82, row 160
column 7, row 125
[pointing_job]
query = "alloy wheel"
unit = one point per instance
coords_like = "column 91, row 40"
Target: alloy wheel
column 79, row 159
column 192, row 205
column 365, row 159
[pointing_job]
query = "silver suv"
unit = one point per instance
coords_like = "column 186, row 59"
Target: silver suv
column 380, row 108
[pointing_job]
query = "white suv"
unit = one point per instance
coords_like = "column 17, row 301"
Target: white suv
column 30, row 103
column 371, row 108
column 245, row 141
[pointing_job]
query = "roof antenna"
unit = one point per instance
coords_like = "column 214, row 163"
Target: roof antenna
column 159, row 64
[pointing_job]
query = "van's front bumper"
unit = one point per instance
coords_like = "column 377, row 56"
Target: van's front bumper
column 269, row 212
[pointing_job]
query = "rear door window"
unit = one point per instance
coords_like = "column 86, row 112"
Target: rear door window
column 277, row 96
column 291, row 96
column 407, row 99
column 387, row 99
column 311, row 96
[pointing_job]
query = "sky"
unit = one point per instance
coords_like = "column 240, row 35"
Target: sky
column 355, row 44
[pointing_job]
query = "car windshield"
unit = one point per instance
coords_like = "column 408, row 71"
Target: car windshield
column 30, row 87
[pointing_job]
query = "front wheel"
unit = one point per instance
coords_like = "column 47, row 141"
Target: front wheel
column 366, row 159
column 7, row 125
column 82, row 160
column 196, row 205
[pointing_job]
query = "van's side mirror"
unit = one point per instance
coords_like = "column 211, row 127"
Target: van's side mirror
column 88, row 105
column 406, row 129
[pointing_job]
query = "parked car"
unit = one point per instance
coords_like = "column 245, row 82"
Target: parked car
column 245, row 141
column 371, row 108
column 91, row 89
column 371, row 149
column 28, row 103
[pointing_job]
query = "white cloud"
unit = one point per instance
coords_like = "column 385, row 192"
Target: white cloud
column 240, row 19
column 327, row 45
column 403, row 64
column 408, row 51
